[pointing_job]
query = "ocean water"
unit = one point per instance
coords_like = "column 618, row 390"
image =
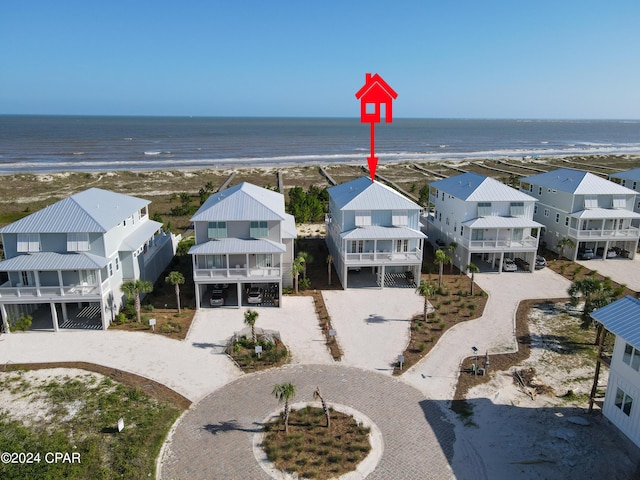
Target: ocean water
column 39, row 144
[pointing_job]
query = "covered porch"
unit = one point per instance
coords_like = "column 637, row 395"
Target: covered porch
column 606, row 228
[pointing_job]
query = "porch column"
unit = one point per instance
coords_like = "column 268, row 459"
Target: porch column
column 60, row 282
column 36, row 277
column 606, row 249
column 54, row 317
column 345, row 274
column 5, row 321
column 198, row 296
column 103, row 315
column 633, row 251
column 375, row 249
column 500, row 262
column 382, row 277
column 239, row 290
column 280, row 294
column 193, row 261
column 65, row 314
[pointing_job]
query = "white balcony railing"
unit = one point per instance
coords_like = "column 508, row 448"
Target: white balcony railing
column 220, row 274
column 631, row 232
column 529, row 242
column 31, row 292
column 383, row 257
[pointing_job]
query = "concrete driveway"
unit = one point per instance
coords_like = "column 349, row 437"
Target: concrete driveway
column 372, row 325
column 494, row 332
column 621, row 270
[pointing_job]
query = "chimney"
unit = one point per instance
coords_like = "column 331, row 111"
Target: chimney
column 367, row 78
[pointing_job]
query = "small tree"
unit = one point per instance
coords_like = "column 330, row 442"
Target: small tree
column 451, row 248
column 329, row 263
column 566, row 242
column 306, row 259
column 176, row 279
column 250, row 317
column 472, row 268
column 594, row 292
column 427, row 291
column 134, row 289
column 440, row 259
column 318, row 396
column 285, row 392
column 297, row 268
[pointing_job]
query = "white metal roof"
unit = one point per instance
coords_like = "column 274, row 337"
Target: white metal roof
column 242, row 202
column 381, row 233
column 137, row 238
column 577, row 182
column 48, row 261
column 363, row 194
column 237, row 246
column 93, row 210
column 605, row 213
column 289, row 227
column 474, row 187
column 501, row 222
column 633, row 174
column 621, row 318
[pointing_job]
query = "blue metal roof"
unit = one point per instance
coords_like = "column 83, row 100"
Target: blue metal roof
column 633, row 174
column 577, row 182
column 474, row 187
column 621, row 318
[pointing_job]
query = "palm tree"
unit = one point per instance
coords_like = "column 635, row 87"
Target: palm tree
column 250, row 317
column 133, row 289
column 472, row 268
column 284, row 392
column 176, row 279
column 427, row 291
column 329, row 263
column 306, row 259
column 440, row 259
column 595, row 294
column 296, row 268
column 318, row 396
column 451, row 248
column 566, row 242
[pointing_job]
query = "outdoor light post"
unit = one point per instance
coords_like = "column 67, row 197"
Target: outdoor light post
column 475, row 351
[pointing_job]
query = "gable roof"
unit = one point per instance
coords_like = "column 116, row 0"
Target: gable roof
column 577, row 182
column 375, row 80
column 93, row 210
column 621, row 318
column 633, row 174
column 474, row 187
column 363, row 194
column 244, row 201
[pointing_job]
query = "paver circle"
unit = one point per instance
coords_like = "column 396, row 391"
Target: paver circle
column 214, row 439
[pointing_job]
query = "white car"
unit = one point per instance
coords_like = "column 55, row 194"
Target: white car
column 254, row 295
column 508, row 265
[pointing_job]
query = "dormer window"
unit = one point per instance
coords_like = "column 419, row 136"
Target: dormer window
column 400, row 218
column 590, row 201
column 259, row 230
column 363, row 218
column 484, row 209
column 619, row 201
column 516, row 209
column 217, row 230
column 28, row 242
column 77, row 242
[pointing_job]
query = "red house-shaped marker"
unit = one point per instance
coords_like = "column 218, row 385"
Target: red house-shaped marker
column 374, row 93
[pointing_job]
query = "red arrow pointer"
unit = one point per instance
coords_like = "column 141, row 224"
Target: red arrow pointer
column 372, row 160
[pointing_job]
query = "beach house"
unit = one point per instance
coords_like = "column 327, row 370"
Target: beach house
column 64, row 265
column 622, row 396
column 597, row 215
column 629, row 179
column 243, row 248
column 373, row 235
column 488, row 222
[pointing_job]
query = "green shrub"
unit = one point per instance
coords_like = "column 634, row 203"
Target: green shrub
column 22, row 323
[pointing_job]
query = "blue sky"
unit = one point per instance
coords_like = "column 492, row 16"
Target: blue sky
column 445, row 58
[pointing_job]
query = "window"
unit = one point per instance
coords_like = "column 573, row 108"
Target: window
column 357, row 246
column 443, row 196
column 623, row 401
column 77, row 242
column 484, row 209
column 370, row 108
column 546, row 212
column 447, row 221
column 25, row 278
column 619, row 201
column 590, row 201
column 539, row 191
column 217, row 230
column 557, row 218
column 117, row 264
column 566, row 221
column 363, row 219
column 28, row 242
column 477, row 234
column 110, row 269
column 399, row 218
column 263, row 260
column 517, row 234
column 440, row 217
column 461, row 229
column 535, row 209
column 516, row 209
column 214, row 261
column 631, row 357
column 402, row 245
column 635, row 184
column 259, row 230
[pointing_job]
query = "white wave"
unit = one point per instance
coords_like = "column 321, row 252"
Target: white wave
column 78, row 153
column 152, row 153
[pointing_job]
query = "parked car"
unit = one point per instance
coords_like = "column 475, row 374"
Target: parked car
column 611, row 253
column 541, row 262
column 217, row 298
column 522, row 264
column 221, row 286
column 254, row 295
column 508, row 265
column 585, row 253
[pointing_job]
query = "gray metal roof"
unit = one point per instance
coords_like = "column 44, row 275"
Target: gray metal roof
column 363, row 194
column 48, row 261
column 93, row 210
column 381, row 233
column 474, row 187
column 242, row 202
column 605, row 213
column 633, row 174
column 577, row 182
column 237, row 246
column 501, row 222
column 144, row 232
column 289, row 227
column 622, row 318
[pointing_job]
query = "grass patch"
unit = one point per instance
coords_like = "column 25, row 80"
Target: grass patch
column 243, row 352
column 313, row 451
column 82, row 418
